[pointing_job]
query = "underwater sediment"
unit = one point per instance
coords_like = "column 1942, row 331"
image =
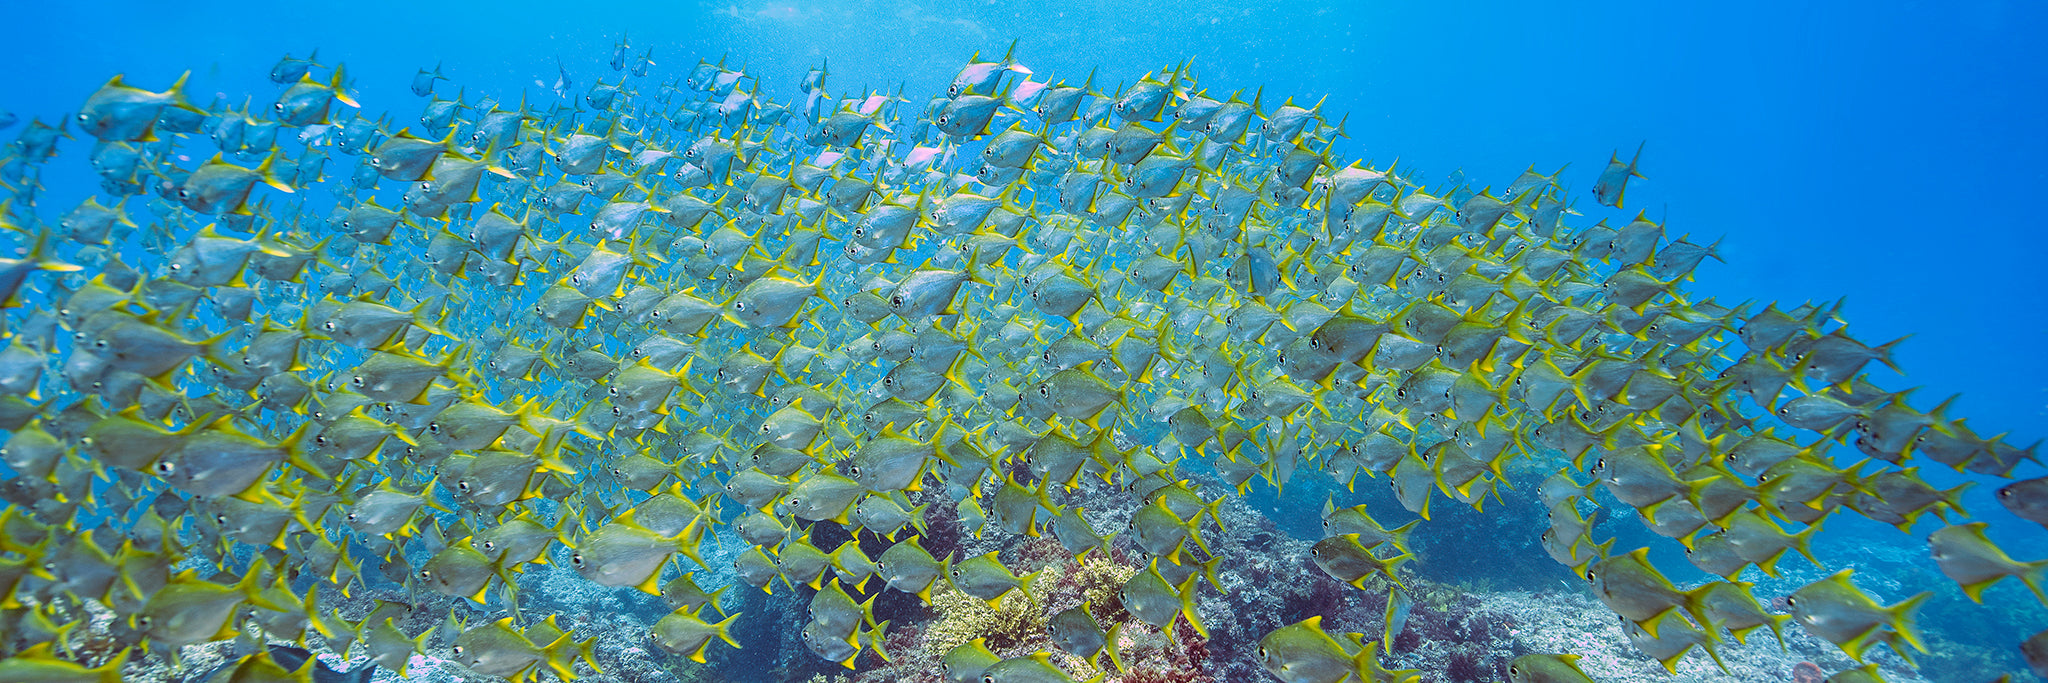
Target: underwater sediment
column 1031, row 380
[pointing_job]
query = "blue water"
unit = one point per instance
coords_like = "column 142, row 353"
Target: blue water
column 1891, row 153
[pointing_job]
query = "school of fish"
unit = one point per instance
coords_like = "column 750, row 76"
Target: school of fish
column 290, row 346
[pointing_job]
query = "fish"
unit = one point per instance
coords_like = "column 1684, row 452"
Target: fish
column 1076, row 631
column 188, row 609
column 757, row 569
column 1344, row 559
column 1034, row 668
column 682, row 593
column 1547, row 668
column 500, row 649
column 684, row 633
column 623, row 553
column 770, row 302
column 423, row 80
column 821, row 641
column 2035, row 650
column 985, row 577
column 389, row 647
column 968, row 115
column 1968, row 557
column 824, row 496
column 1303, row 652
column 307, row 102
column 1733, row 607
column 887, row 516
column 2027, row 499
column 1637, row 591
column 289, row 68
column 1149, row 597
column 1836, row 610
column 852, row 566
column 218, row 187
column 519, row 540
column 802, row 563
column 562, row 81
column 967, row 662
column 836, row 611
column 1668, row 639
column 1613, row 181
column 978, row 75
column 908, row 567
column 221, row 459
column 39, row 663
column 118, row 111
column 459, row 570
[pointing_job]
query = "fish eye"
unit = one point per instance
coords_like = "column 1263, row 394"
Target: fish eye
column 165, row 467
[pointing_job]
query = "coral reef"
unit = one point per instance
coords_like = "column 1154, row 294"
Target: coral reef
column 1573, row 622
column 1016, row 626
column 962, row 618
